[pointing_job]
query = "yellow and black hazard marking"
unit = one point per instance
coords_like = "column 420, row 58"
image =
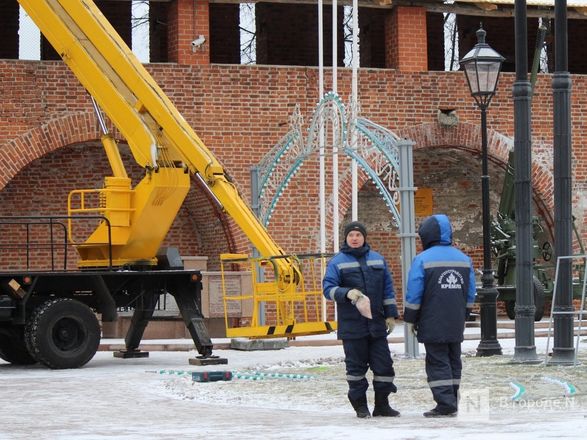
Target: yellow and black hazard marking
column 273, row 306
column 280, row 331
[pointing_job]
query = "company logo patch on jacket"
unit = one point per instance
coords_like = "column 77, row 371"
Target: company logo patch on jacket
column 450, row 279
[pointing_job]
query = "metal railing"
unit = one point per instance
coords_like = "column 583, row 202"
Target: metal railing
column 56, row 241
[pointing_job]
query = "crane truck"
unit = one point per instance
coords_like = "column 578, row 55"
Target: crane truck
column 49, row 316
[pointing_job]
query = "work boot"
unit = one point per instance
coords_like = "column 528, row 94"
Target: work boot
column 433, row 413
column 361, row 408
column 382, row 407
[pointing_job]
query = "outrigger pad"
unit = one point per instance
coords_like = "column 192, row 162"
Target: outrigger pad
column 129, row 354
column 208, row 360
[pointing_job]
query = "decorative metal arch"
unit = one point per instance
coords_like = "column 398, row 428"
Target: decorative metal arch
column 376, row 152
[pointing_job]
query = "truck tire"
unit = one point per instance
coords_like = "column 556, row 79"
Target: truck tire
column 538, row 302
column 63, row 333
column 13, row 348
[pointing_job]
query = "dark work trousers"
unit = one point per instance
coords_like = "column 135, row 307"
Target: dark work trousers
column 443, row 368
column 362, row 353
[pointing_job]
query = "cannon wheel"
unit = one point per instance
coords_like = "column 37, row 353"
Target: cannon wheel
column 538, row 302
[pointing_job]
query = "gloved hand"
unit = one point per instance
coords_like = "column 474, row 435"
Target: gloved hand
column 390, row 324
column 353, row 295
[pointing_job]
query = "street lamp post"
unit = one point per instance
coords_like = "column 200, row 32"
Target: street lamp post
column 482, row 66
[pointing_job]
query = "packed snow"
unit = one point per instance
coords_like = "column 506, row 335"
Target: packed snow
column 298, row 392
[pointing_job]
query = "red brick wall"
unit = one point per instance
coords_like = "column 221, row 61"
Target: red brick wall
column 241, row 112
column 185, row 23
column 406, row 41
column 41, row 189
column 256, row 102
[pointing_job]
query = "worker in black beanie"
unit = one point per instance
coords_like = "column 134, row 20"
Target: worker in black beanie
column 358, row 278
column 355, row 226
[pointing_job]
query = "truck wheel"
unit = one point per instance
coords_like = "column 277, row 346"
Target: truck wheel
column 13, row 348
column 538, row 302
column 63, row 333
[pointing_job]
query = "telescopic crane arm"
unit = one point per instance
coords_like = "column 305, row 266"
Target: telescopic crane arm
column 160, row 140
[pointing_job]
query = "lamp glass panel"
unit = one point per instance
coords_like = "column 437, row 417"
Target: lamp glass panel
column 471, row 73
column 488, row 73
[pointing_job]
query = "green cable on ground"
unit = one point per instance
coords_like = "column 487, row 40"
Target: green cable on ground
column 240, row 374
column 261, row 376
column 174, row 372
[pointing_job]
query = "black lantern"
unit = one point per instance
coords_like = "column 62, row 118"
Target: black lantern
column 482, row 66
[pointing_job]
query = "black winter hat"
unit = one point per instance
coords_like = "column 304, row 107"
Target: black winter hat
column 355, row 226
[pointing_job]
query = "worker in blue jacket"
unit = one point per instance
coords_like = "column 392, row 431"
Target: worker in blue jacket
column 440, row 296
column 353, row 273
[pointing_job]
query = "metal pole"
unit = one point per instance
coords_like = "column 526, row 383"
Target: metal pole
column 488, row 346
column 355, row 110
column 322, row 195
column 407, row 231
column 255, row 205
column 322, row 188
column 525, row 350
column 335, row 195
column 563, row 351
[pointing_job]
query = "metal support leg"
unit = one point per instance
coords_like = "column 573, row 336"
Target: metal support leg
column 186, row 298
column 144, row 310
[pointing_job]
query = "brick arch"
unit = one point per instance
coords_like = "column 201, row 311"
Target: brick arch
column 48, row 137
column 467, row 137
column 79, row 128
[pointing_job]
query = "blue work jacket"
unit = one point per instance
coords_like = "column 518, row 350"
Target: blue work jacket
column 369, row 274
column 441, row 285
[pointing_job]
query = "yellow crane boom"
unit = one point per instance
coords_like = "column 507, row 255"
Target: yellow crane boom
column 137, row 219
column 160, row 140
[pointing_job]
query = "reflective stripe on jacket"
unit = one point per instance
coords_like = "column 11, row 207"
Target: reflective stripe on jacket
column 370, row 275
column 441, row 285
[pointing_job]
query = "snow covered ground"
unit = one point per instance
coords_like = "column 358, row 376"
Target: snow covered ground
column 293, row 393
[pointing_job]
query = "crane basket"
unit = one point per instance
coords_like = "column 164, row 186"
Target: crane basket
column 278, row 311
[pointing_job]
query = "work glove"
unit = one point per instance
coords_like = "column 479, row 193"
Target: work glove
column 354, row 294
column 390, row 324
column 361, row 302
